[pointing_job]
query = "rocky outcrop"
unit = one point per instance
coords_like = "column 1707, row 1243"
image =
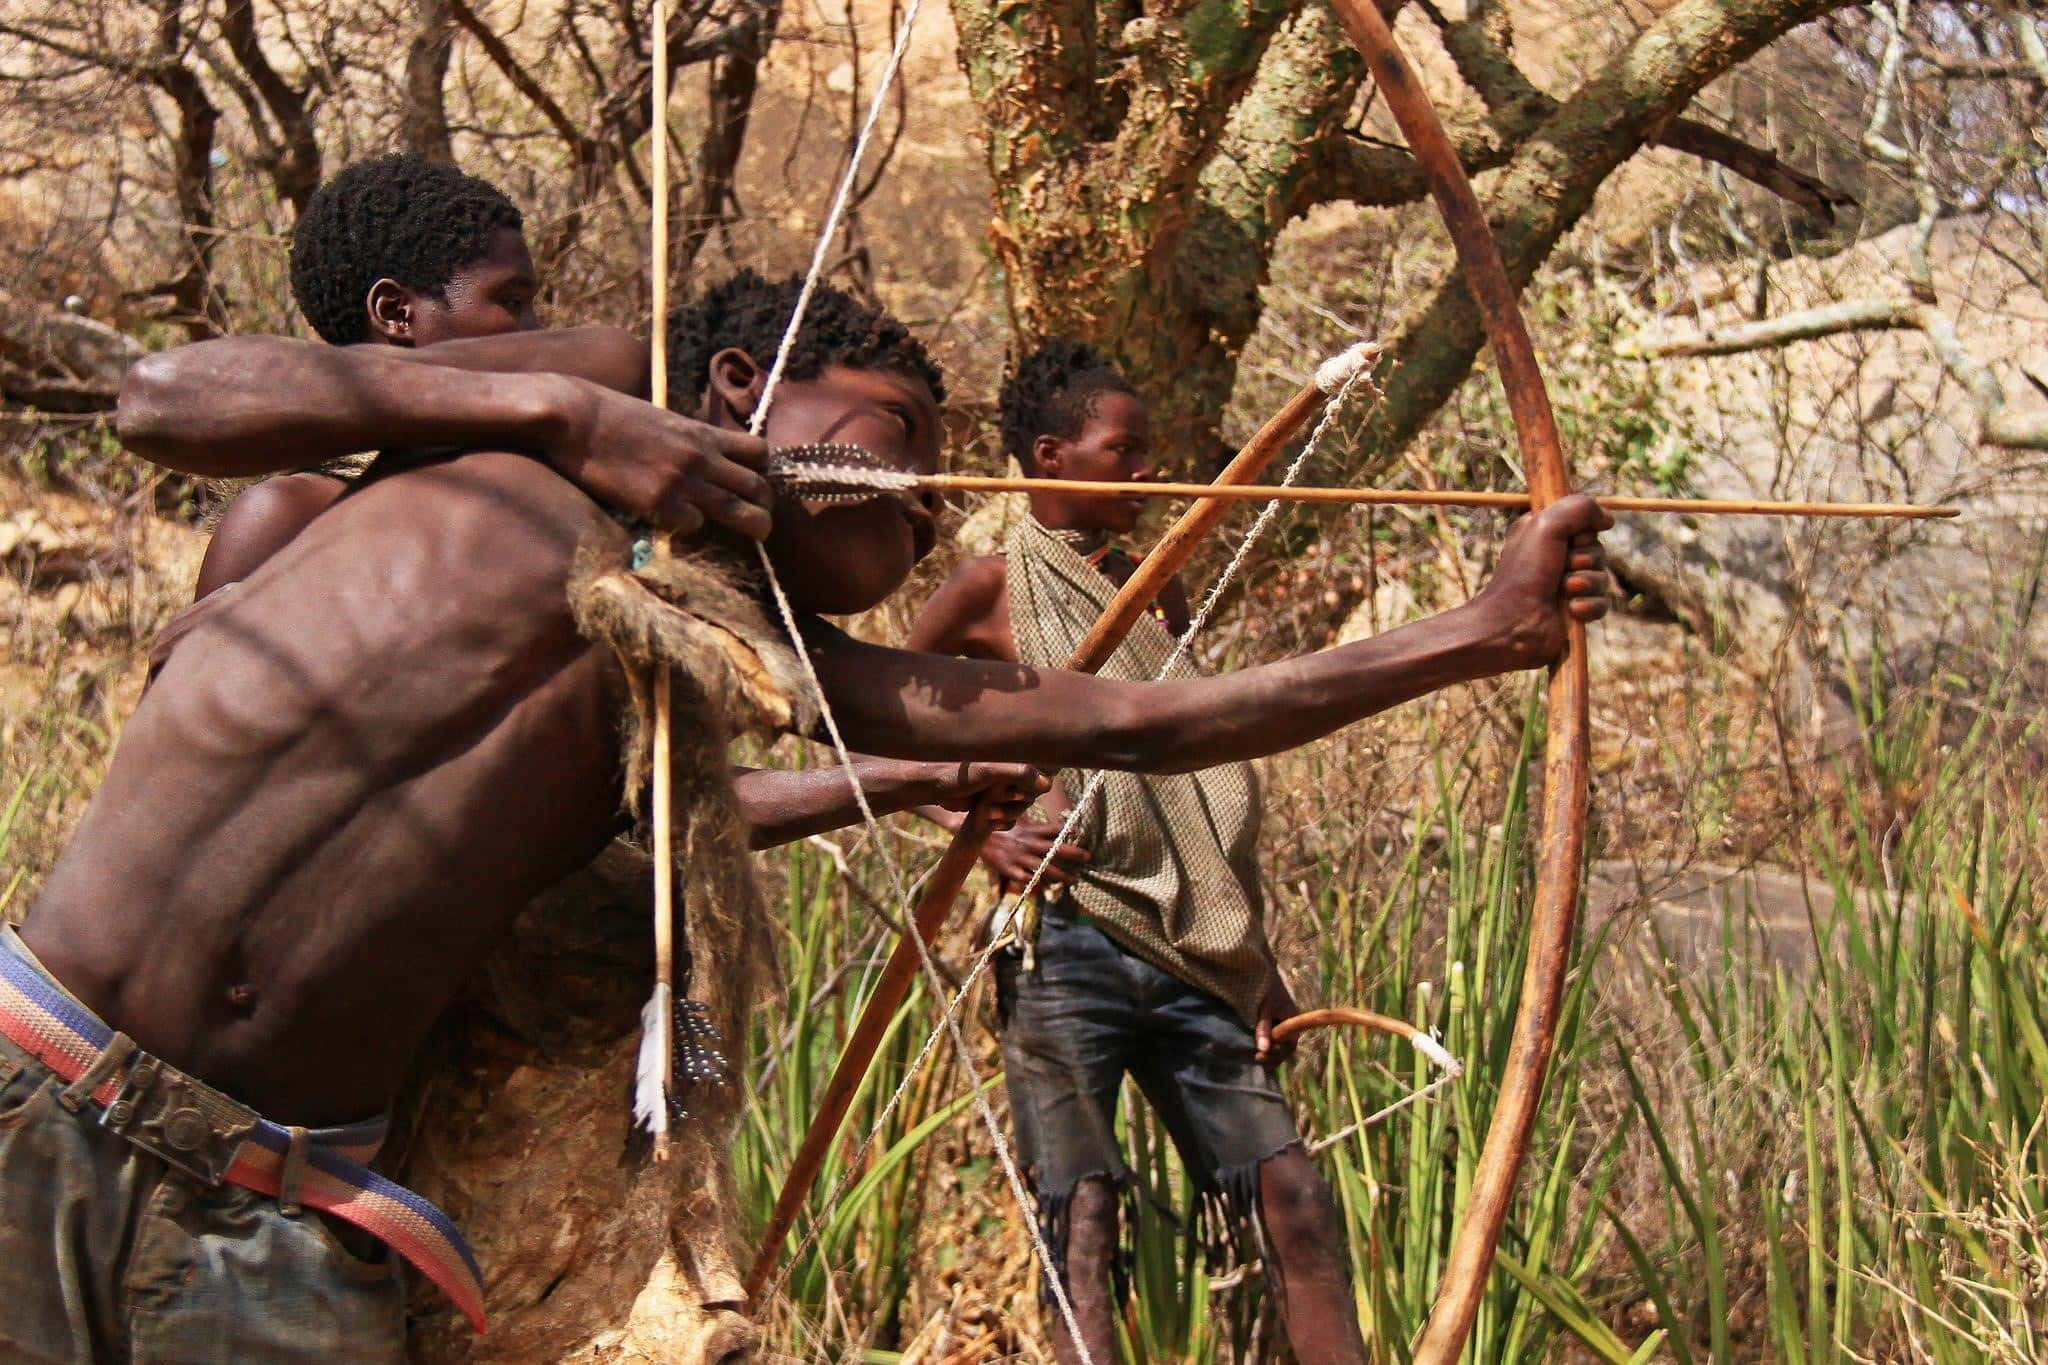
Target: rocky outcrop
column 1861, row 416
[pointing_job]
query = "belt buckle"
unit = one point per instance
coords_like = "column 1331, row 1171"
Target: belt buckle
column 178, row 1120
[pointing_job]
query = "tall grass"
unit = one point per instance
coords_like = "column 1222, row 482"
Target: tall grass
column 1829, row 1156
column 1886, row 1143
column 1832, row 1158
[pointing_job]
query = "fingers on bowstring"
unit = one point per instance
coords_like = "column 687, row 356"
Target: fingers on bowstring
column 727, row 508
column 738, row 446
column 1009, row 781
column 736, row 478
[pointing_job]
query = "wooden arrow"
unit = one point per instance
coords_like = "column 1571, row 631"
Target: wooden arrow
column 803, row 478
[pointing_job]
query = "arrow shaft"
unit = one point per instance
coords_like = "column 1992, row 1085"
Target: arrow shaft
column 1417, row 497
column 663, row 800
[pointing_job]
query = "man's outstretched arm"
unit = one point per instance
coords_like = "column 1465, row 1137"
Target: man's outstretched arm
column 925, row 706
column 246, row 406
column 784, row 805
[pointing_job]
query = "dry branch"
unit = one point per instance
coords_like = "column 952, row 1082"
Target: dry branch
column 1808, row 325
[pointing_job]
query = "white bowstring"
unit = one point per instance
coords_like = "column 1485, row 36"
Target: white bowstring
column 936, row 980
column 1381, row 1115
column 759, row 421
column 948, row 1021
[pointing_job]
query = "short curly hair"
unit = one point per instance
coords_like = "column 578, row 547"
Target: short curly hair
column 399, row 216
column 751, row 313
column 1051, row 392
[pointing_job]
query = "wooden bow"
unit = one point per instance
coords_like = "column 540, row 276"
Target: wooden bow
column 943, row 889
column 1566, row 762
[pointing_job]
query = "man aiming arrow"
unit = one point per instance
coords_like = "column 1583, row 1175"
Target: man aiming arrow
column 370, row 755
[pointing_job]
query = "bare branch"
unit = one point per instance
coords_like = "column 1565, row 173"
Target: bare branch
column 2028, row 33
column 1806, row 325
column 734, row 79
column 295, row 166
column 1974, row 68
column 1754, row 164
column 1482, row 48
column 515, row 71
column 1367, row 171
column 423, row 123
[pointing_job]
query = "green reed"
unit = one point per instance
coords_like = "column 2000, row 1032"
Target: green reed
column 1739, row 1159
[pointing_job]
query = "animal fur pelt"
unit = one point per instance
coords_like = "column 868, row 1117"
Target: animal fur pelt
column 221, row 492
column 729, row 671
column 729, row 667
column 516, row 1124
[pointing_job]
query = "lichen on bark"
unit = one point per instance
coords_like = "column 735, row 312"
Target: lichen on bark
column 1145, row 167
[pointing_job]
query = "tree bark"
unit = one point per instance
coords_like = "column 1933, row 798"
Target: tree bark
column 1099, row 129
column 1145, row 167
column 294, row 161
column 1545, row 188
column 192, row 293
column 423, row 119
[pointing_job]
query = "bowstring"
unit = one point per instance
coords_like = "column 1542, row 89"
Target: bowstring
column 1006, row 908
column 935, row 979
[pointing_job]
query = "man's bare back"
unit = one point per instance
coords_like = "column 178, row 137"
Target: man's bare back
column 345, row 782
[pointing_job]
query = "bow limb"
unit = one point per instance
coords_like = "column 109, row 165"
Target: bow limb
column 943, row 888
column 1566, row 766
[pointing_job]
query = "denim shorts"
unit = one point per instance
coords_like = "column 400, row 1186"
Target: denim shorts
column 1092, row 1011
column 108, row 1253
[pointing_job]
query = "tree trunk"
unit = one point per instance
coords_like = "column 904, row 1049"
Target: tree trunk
column 423, row 121
column 1099, row 126
column 1144, row 168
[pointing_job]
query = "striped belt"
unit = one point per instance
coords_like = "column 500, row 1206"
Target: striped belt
column 200, row 1131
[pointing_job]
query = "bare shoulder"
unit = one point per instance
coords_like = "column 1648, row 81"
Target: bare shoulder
column 959, row 617
column 260, row 521
column 504, row 519
column 979, row 578
column 492, row 484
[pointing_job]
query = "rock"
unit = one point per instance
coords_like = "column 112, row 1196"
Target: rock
column 1392, row 603
column 1862, row 417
